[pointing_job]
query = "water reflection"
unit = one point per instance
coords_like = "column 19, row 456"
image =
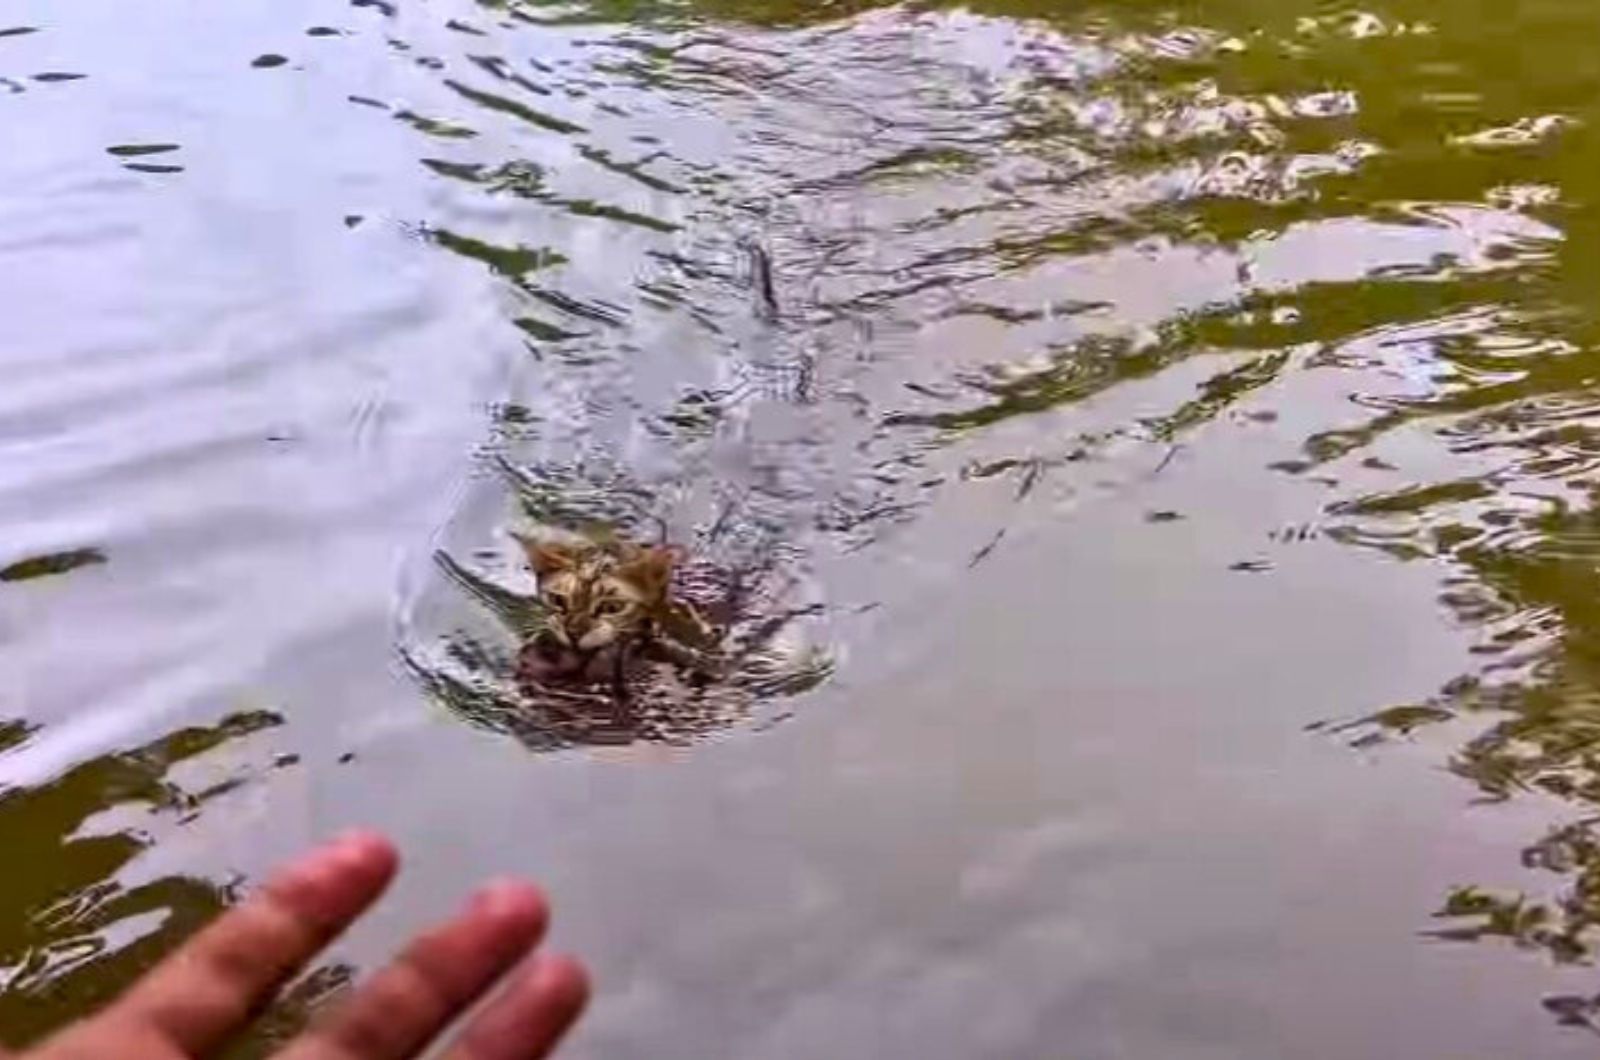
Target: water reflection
column 1520, row 539
column 83, row 917
column 790, row 284
column 1035, row 212
column 1032, row 214
column 54, row 563
column 1085, row 203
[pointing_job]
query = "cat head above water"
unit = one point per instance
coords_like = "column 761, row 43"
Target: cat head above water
column 595, row 596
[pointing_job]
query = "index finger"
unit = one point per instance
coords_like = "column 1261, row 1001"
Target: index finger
column 214, row 984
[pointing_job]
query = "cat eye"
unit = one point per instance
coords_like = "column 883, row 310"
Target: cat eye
column 556, row 597
column 610, row 608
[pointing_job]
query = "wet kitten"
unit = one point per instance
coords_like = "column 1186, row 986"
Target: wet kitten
column 607, row 606
column 597, row 597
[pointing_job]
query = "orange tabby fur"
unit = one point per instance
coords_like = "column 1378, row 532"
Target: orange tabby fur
column 595, row 597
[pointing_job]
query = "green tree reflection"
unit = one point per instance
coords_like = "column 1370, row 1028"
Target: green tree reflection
column 73, row 931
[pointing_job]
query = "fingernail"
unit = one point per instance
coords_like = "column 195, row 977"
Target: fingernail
column 359, row 847
column 561, row 978
column 507, row 899
column 362, row 860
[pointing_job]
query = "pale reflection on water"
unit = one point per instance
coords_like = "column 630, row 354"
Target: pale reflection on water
column 1167, row 442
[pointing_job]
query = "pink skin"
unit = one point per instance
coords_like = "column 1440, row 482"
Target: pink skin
column 200, row 998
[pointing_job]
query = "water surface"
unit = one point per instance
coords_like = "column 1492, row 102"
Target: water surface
column 1175, row 428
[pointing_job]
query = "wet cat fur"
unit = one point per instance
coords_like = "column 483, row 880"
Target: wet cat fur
column 604, row 603
column 595, row 597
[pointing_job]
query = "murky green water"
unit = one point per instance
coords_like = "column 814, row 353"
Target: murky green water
column 1177, row 429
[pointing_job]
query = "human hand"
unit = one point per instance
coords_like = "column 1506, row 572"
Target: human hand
column 193, row 1003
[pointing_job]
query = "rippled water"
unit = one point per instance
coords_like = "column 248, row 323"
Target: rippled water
column 1166, row 439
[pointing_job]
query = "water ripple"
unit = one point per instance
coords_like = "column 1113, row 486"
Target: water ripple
column 879, row 304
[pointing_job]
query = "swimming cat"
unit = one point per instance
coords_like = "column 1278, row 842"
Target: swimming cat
column 605, row 606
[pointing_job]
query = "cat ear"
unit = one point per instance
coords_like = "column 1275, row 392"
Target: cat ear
column 546, row 557
column 651, row 570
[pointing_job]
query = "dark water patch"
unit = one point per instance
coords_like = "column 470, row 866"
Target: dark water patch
column 511, row 262
column 1019, row 315
column 632, row 170
column 500, row 69
column 1574, row 1010
column 914, row 164
column 152, row 167
column 1076, row 373
column 527, row 180
column 51, row 564
column 14, row 733
column 140, row 150
column 597, row 312
column 543, row 331
column 589, row 208
column 1414, row 500
column 1221, row 391
column 444, row 130
column 17, row 31
column 324, row 31
column 1393, row 722
column 269, row 61
column 522, row 178
column 384, row 7
column 471, row 172
column 522, row 111
column 86, row 920
column 56, row 77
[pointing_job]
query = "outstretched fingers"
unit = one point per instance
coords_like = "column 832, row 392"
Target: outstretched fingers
column 528, row 1018
column 396, row 1013
column 211, row 988
column 207, row 992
